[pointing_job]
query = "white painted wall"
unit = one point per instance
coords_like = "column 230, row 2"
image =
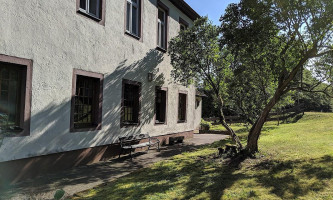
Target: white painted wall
column 58, row 40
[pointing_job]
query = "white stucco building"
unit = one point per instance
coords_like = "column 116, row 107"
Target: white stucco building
column 77, row 75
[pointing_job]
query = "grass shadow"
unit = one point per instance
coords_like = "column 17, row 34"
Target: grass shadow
column 292, row 179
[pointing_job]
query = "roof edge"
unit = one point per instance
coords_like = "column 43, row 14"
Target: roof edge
column 186, row 9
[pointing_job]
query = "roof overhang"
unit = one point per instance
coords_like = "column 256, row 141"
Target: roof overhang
column 186, row 9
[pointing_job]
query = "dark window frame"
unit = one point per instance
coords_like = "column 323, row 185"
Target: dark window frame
column 184, row 23
column 100, row 20
column 180, row 92
column 139, row 85
column 165, row 89
column 162, row 6
column 98, row 101
column 26, row 87
column 140, row 24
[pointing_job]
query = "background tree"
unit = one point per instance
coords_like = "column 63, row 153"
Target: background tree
column 196, row 56
column 281, row 37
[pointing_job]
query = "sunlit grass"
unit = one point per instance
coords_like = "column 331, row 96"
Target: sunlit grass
column 295, row 162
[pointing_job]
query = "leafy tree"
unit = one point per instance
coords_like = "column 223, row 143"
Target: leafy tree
column 314, row 101
column 280, row 38
column 196, row 55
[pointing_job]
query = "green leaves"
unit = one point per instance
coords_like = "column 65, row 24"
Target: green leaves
column 195, row 54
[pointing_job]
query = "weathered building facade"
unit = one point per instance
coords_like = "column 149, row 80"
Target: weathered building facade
column 77, row 75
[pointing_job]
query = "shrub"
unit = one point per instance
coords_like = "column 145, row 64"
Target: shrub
column 205, row 125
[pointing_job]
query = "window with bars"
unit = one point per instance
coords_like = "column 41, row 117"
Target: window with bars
column 87, row 101
column 160, row 106
column 84, row 102
column 133, row 12
column 131, row 103
column 182, row 103
column 12, row 92
column 162, row 28
column 92, row 8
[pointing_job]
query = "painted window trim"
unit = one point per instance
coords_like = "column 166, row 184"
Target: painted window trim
column 166, row 106
column 163, row 7
column 25, row 115
column 186, row 106
column 97, row 115
column 136, row 83
column 139, row 20
column 100, row 19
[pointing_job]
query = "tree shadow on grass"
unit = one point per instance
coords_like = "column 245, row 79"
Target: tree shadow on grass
column 292, row 179
column 207, row 177
column 285, row 179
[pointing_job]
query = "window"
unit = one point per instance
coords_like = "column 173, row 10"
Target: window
column 182, row 103
column 87, row 101
column 162, row 23
column 197, row 102
column 130, row 103
column 15, row 93
column 91, row 7
column 133, row 13
column 94, row 9
column 160, row 105
column 183, row 24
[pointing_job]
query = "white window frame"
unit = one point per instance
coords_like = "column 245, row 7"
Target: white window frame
column 183, row 26
column 161, row 42
column 130, row 15
column 86, row 11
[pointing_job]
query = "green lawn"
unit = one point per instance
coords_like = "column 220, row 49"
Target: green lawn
column 295, row 162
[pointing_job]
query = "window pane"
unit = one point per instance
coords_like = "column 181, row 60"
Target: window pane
column 128, row 17
column 182, row 108
column 83, row 4
column 10, row 92
column 161, row 15
column 93, row 7
column 84, row 103
column 160, row 106
column 134, row 20
column 182, row 27
column 162, row 36
column 159, row 34
column 131, row 104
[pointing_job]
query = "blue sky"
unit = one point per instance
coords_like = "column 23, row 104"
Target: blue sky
column 213, row 8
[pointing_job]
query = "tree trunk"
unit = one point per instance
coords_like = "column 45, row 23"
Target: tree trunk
column 233, row 135
column 252, row 140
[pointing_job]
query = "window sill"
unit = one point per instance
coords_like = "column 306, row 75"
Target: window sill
column 133, row 35
column 81, row 12
column 160, row 123
column 12, row 133
column 182, row 122
column 125, row 125
column 74, row 130
column 161, row 49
